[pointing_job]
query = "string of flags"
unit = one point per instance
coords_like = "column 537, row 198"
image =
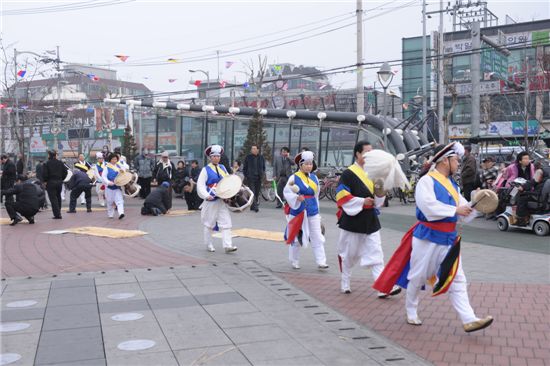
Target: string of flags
column 228, row 64
column 173, row 60
column 122, row 58
column 92, row 77
column 21, row 73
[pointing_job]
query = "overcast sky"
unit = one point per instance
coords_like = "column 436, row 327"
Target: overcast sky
column 157, row 30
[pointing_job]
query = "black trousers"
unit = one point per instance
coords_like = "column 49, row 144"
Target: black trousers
column 13, row 208
column 525, row 204
column 281, row 183
column 467, row 190
column 54, row 194
column 255, row 184
column 76, row 192
column 145, row 184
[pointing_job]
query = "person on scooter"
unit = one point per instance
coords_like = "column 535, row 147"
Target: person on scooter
column 533, row 188
column 521, row 168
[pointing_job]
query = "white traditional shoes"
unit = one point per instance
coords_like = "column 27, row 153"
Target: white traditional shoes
column 478, row 324
column 394, row 291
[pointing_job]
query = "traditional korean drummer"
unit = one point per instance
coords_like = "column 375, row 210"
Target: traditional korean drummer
column 214, row 212
column 113, row 193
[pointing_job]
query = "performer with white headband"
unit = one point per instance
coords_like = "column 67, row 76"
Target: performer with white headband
column 302, row 208
column 432, row 246
column 98, row 171
column 214, row 212
column 358, row 200
column 113, row 193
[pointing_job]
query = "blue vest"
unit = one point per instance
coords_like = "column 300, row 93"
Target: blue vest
column 212, row 177
column 310, row 204
column 435, row 236
column 111, row 175
column 100, row 168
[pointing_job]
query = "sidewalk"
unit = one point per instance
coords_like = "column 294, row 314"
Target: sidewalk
column 230, row 314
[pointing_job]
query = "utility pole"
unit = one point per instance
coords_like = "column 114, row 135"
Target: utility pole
column 424, row 76
column 475, row 64
column 58, row 114
column 16, row 97
column 218, row 86
column 440, row 86
column 526, row 103
column 360, row 89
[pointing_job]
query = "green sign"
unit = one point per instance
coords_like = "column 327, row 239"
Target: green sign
column 540, row 38
column 494, row 61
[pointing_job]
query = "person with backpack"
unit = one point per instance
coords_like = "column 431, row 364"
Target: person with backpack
column 144, row 166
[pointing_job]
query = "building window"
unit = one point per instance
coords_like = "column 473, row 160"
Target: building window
column 461, row 68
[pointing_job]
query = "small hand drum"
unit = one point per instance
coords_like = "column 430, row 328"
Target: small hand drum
column 484, row 200
column 229, row 186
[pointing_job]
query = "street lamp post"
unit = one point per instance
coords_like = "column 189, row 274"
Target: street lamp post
column 207, row 81
column 385, row 77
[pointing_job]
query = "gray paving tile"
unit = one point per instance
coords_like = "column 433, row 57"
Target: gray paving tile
column 70, row 345
column 209, row 289
column 71, row 316
column 123, row 306
column 115, row 279
column 231, row 308
column 335, row 351
column 21, row 314
column 72, row 296
column 219, row 298
column 258, row 352
column 155, row 285
column 104, row 291
column 126, row 331
column 165, row 292
column 143, row 359
column 191, row 316
column 28, row 284
column 185, row 337
column 154, row 275
column 203, row 281
column 295, row 361
column 242, row 320
column 172, row 302
column 79, row 282
column 212, row 356
column 96, row 362
column 256, row 333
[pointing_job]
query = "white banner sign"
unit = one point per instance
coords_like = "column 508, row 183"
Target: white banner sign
column 485, row 87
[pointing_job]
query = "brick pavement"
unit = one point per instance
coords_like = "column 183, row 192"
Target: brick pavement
column 27, row 251
column 520, row 334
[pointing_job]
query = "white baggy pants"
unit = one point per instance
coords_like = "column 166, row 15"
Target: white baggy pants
column 363, row 248
column 317, row 241
column 114, row 196
column 212, row 213
column 426, row 257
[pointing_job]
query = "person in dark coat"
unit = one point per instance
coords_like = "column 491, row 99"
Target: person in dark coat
column 8, row 175
column 38, row 170
column 181, row 177
column 159, row 201
column 254, row 170
column 194, row 198
column 224, row 160
column 282, row 169
column 26, row 201
column 78, row 184
column 41, row 193
column 164, row 170
column 53, row 174
column 20, row 165
column 468, row 173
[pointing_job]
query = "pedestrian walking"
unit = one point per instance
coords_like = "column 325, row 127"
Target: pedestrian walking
column 254, row 171
column 282, row 169
column 144, row 166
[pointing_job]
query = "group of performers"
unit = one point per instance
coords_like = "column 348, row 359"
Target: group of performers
column 428, row 255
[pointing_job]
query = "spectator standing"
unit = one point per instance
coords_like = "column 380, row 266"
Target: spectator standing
column 9, row 174
column 53, row 174
column 282, row 169
column 468, row 173
column 144, row 166
column 164, row 170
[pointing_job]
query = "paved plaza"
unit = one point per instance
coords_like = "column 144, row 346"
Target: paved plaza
column 162, row 299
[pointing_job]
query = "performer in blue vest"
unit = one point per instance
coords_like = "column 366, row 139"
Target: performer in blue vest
column 113, row 193
column 430, row 251
column 302, row 208
column 98, row 171
column 214, row 211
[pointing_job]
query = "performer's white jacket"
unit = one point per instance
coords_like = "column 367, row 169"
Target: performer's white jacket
column 426, row 256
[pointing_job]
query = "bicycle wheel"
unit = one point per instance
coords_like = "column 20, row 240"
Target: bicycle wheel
column 268, row 194
column 322, row 190
column 331, row 192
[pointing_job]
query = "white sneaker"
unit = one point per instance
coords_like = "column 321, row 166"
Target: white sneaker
column 230, row 249
column 210, row 248
column 296, row 265
column 102, row 204
column 394, row 291
column 322, row 266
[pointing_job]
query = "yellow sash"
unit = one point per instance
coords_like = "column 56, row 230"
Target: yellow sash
column 445, row 182
column 220, row 170
column 307, row 181
column 361, row 174
column 115, row 167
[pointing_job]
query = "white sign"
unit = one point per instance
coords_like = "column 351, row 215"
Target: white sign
column 485, row 87
column 511, row 40
column 37, row 145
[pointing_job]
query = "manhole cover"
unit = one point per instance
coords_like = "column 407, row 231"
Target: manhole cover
column 7, row 358
column 13, row 327
column 21, row 304
column 124, row 317
column 121, row 296
column 136, row 345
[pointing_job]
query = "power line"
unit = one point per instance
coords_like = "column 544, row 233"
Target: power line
column 67, row 7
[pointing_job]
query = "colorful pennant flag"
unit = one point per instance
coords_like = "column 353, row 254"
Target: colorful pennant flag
column 277, row 69
column 223, row 83
column 322, row 86
column 246, row 85
column 174, row 60
column 92, row 77
column 228, row 64
column 197, row 83
column 122, row 58
column 21, row 73
column 171, row 80
column 2, row 106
